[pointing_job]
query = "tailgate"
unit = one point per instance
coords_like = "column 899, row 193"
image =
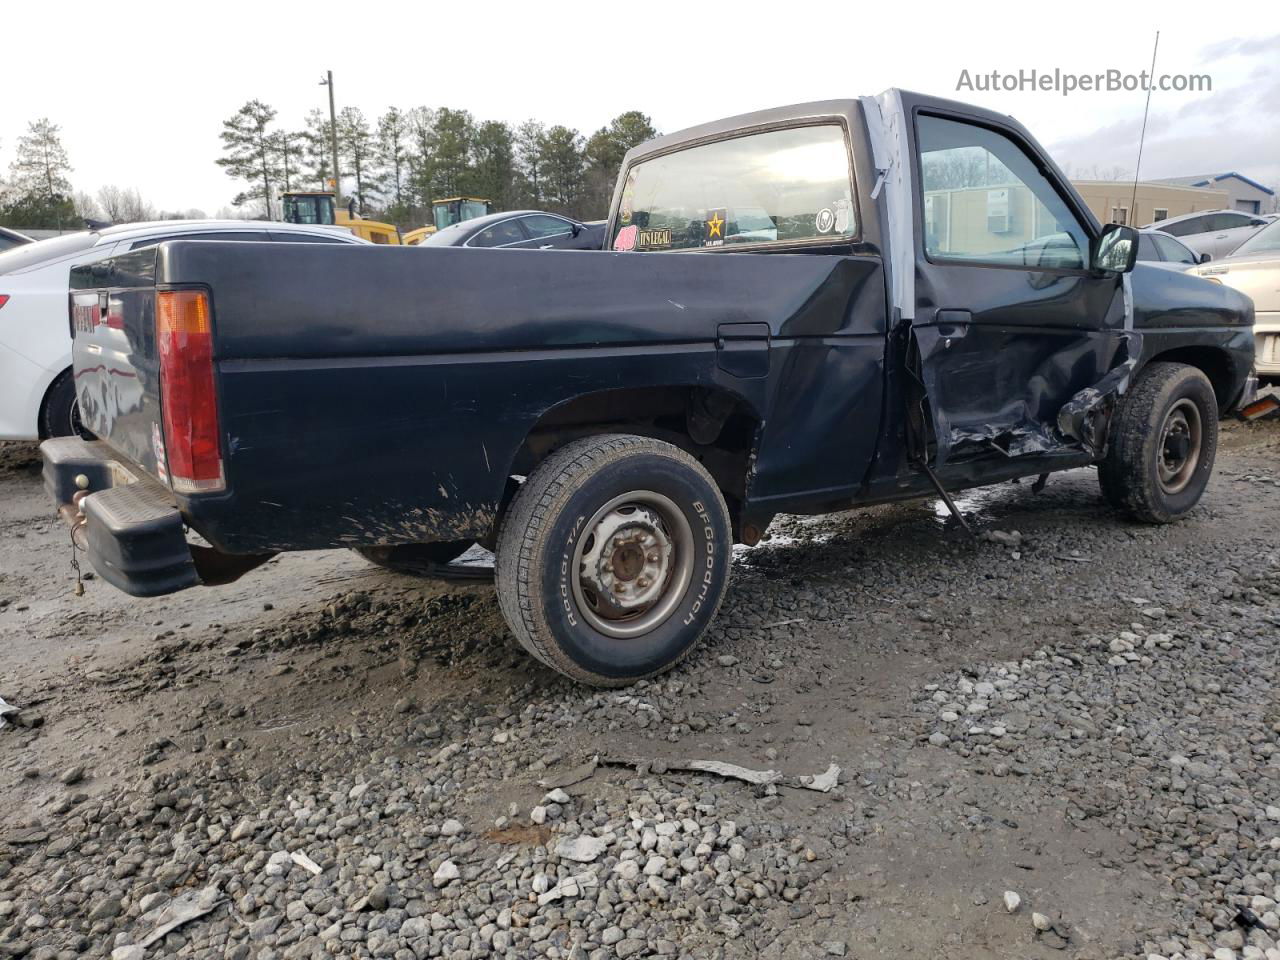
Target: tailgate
column 114, row 353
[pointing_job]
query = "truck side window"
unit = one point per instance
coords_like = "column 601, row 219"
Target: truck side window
column 986, row 202
column 779, row 186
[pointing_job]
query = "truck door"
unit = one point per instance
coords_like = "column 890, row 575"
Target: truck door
column 1010, row 323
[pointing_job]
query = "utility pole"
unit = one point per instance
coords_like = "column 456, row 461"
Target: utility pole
column 333, row 141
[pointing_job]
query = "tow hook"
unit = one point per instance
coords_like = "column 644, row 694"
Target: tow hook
column 74, row 512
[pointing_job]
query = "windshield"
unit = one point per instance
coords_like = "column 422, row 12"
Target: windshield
column 1266, row 240
column 446, row 214
column 308, row 210
column 30, row 254
column 473, row 208
column 778, row 186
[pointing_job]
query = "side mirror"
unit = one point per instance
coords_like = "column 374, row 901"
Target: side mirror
column 1116, row 250
column 1256, row 222
column 1204, row 258
column 576, row 228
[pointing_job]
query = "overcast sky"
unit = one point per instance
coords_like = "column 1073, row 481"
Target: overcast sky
column 140, row 88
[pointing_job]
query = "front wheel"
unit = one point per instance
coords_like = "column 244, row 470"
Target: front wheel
column 1162, row 444
column 613, row 558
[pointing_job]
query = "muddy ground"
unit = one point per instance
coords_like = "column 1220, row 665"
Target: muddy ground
column 1085, row 715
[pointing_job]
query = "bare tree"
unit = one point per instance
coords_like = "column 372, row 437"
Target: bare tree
column 124, row 205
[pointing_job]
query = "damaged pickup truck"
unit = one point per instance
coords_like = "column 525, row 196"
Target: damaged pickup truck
column 804, row 309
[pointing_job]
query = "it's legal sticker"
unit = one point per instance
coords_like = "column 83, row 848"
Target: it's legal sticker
column 652, row 239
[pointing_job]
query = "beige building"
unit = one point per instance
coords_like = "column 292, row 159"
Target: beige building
column 1009, row 217
column 1110, row 200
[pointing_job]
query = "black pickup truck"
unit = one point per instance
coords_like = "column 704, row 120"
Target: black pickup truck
column 803, row 309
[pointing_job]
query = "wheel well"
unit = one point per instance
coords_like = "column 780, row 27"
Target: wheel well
column 1215, row 364
column 44, row 401
column 713, row 425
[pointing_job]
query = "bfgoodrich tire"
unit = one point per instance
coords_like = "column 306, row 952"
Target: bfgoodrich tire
column 418, row 559
column 613, row 558
column 1162, row 444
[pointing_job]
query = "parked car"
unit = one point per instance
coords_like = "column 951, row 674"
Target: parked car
column 611, row 423
column 520, row 229
column 1159, row 249
column 1254, row 270
column 1215, row 232
column 37, row 396
column 12, row 238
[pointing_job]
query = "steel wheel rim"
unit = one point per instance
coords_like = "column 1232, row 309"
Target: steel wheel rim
column 1178, row 454
column 619, row 586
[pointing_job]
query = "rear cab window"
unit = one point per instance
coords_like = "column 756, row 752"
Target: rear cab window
column 777, row 187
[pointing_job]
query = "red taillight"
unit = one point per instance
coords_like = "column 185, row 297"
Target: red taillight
column 4, row 298
column 187, row 398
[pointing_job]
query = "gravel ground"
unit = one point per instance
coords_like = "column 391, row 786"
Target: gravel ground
column 1059, row 742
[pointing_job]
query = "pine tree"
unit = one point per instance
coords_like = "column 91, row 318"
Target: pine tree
column 39, row 193
column 493, row 170
column 392, row 151
column 356, row 149
column 530, row 141
column 454, row 131
column 251, row 156
column 562, row 170
column 317, row 151
column 289, row 148
column 422, row 150
column 605, row 151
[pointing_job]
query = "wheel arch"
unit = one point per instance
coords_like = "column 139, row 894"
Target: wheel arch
column 45, row 389
column 1214, row 362
column 718, row 426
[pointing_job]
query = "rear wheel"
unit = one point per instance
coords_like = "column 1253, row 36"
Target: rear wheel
column 419, row 559
column 1162, row 444
column 60, row 415
column 613, row 558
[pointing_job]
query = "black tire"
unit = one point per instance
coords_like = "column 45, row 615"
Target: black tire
column 60, row 414
column 628, row 501
column 419, row 559
column 1162, row 444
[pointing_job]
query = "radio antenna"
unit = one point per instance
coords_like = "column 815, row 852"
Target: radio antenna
column 1151, row 82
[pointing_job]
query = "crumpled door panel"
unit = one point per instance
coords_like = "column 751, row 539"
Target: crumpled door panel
column 1002, row 392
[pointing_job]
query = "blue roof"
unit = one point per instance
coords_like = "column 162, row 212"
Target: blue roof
column 1239, row 176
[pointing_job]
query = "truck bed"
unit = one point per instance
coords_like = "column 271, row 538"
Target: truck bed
column 387, row 392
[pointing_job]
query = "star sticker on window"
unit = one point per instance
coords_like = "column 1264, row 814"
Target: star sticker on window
column 714, row 225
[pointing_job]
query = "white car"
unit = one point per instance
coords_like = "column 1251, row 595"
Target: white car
column 1215, row 232
column 1254, row 269
column 1162, row 250
column 37, row 395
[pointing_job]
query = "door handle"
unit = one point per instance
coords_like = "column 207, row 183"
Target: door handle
column 953, row 324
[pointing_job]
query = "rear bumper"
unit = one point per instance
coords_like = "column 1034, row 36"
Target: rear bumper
column 127, row 523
